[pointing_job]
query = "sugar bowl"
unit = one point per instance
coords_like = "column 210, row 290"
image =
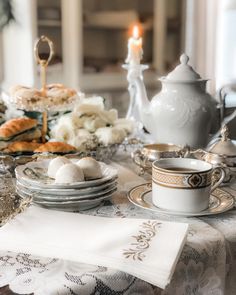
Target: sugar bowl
column 222, row 153
column 151, row 152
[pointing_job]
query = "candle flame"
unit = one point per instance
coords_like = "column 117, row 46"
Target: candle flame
column 136, row 32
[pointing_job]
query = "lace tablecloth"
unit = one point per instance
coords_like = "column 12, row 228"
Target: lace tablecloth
column 207, row 264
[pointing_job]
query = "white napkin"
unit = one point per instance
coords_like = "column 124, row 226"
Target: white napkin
column 147, row 249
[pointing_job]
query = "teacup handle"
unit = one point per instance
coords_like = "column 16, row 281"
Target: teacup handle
column 184, row 152
column 222, row 176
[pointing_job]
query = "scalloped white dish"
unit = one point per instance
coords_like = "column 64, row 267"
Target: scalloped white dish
column 38, row 196
column 64, row 191
column 35, row 174
column 78, row 205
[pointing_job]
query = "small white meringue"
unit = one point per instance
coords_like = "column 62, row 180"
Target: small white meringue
column 69, row 173
column 90, row 167
column 55, row 164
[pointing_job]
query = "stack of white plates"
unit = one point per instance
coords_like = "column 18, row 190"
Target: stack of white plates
column 32, row 180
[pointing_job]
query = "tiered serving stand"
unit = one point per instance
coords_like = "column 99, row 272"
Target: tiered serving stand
column 45, row 106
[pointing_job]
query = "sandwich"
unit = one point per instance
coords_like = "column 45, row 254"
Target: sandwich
column 20, row 129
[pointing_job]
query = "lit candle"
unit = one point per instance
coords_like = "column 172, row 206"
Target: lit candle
column 135, row 50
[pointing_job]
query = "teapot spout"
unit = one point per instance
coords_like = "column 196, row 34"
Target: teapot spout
column 139, row 103
column 142, row 102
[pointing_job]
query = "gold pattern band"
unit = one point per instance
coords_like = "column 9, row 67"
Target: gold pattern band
column 190, row 180
column 179, row 187
column 169, row 171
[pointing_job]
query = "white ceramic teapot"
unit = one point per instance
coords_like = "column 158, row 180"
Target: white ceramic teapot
column 182, row 112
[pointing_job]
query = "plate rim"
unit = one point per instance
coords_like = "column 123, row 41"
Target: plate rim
column 100, row 198
column 70, row 198
column 70, row 191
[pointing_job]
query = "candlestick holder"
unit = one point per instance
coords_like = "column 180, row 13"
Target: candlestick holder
column 133, row 72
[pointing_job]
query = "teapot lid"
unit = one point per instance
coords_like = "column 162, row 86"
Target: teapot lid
column 225, row 146
column 183, row 72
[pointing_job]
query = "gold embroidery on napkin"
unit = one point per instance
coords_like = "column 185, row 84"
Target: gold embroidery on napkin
column 143, row 239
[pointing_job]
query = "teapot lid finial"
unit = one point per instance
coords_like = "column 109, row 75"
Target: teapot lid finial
column 224, row 133
column 184, row 58
column 225, row 146
column 183, row 72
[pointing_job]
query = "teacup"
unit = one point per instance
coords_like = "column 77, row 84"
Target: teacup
column 183, row 184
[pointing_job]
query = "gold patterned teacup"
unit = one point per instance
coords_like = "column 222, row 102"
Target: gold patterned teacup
column 183, row 184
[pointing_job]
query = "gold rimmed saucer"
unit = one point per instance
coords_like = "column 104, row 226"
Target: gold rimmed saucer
column 220, row 201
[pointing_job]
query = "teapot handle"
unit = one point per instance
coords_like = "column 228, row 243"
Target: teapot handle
column 223, row 92
column 199, row 153
column 184, row 152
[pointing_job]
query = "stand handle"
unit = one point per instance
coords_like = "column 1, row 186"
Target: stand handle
column 43, row 62
column 43, row 65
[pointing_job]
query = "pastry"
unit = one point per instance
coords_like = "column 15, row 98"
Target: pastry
column 110, row 135
column 3, row 109
column 21, row 146
column 108, row 117
column 30, row 135
column 91, row 168
column 69, row 173
column 55, row 147
column 20, row 129
column 26, row 92
column 55, row 164
column 93, row 123
column 64, row 130
column 23, row 96
column 90, row 124
column 59, row 91
column 83, row 133
column 32, row 99
column 16, row 126
column 126, row 124
column 82, row 138
column 3, row 145
column 94, row 101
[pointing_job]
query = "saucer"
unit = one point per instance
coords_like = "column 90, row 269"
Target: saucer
column 77, row 205
column 66, row 192
column 220, row 201
column 62, row 198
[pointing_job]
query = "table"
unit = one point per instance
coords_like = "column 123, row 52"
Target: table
column 207, row 264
